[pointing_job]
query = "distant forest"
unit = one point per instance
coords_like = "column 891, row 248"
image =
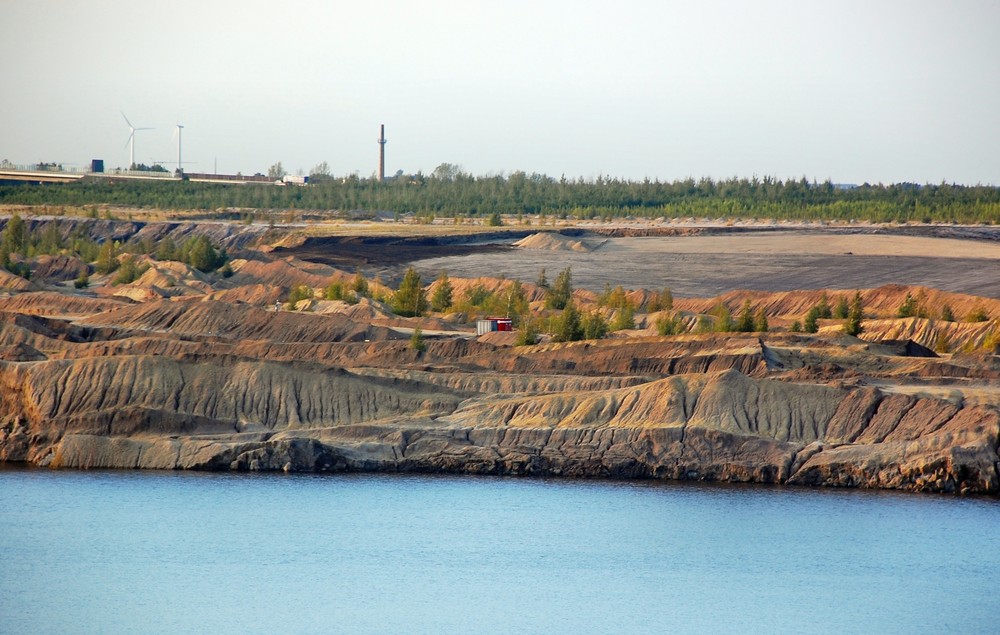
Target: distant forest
column 448, row 192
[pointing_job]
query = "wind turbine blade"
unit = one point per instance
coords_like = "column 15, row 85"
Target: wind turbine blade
column 129, row 140
column 126, row 119
column 145, row 128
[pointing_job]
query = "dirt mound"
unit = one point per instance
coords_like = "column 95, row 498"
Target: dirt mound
column 57, row 268
column 58, row 304
column 365, row 310
column 286, row 272
column 553, row 241
column 237, row 322
column 257, row 294
column 12, row 282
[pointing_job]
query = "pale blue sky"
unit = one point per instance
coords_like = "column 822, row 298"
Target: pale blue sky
column 878, row 91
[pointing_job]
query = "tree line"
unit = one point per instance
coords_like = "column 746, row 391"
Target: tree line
column 449, row 192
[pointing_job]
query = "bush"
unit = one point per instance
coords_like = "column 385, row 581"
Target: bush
column 670, row 325
column 298, row 293
column 977, row 314
column 417, row 340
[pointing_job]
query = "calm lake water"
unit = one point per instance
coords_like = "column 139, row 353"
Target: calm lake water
column 140, row 552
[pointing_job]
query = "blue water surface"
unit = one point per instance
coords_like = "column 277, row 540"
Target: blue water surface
column 165, row 552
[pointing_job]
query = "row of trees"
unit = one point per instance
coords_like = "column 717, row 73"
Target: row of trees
column 452, row 193
column 19, row 243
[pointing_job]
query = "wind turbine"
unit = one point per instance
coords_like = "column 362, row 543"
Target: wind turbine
column 177, row 131
column 131, row 141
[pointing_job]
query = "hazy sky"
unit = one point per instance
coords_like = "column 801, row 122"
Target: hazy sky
column 872, row 91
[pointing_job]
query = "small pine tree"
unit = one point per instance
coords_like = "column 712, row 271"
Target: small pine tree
column 745, row 322
column 128, row 272
column 624, row 318
column 946, row 314
column 441, row 300
column 908, row 308
column 409, row 300
column 561, row 293
column 724, row 319
column 107, row 259
column 670, row 325
column 811, row 324
column 334, row 290
column 542, row 282
column 495, row 220
column 417, row 340
column 823, row 308
column 527, row 334
column 842, row 309
column 760, row 321
column 568, row 327
column 594, row 326
column 796, row 327
column 853, row 325
column 360, row 285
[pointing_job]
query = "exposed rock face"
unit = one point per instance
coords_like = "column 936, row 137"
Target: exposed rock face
column 163, row 413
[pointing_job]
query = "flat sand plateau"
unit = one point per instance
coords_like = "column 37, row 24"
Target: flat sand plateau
column 707, row 265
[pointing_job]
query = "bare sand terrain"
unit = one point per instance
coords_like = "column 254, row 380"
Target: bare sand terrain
column 185, row 369
column 707, row 265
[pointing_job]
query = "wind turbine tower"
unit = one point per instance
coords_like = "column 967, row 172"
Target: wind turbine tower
column 180, row 168
column 131, row 141
column 381, row 155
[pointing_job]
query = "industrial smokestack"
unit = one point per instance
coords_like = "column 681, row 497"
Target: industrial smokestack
column 381, row 155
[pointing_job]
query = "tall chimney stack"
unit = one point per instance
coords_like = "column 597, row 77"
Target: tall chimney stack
column 381, row 155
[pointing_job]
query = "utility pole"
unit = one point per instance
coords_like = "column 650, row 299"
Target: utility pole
column 381, row 155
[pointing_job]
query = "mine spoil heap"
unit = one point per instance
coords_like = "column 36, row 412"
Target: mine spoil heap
column 184, row 370
column 217, row 386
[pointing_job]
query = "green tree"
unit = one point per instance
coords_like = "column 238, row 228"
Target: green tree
column 107, row 258
column 495, row 220
column 853, row 325
column 842, row 309
column 661, row 301
column 298, row 293
column 594, row 325
column 360, row 285
column 409, row 300
column 670, row 325
column 15, row 236
column 568, row 326
column 129, row 271
column 527, row 334
column 624, row 318
column 723, row 318
column 200, row 253
column 811, row 324
column 745, row 322
column 908, row 308
column 760, row 321
column 441, row 300
column 561, row 293
column 795, row 327
column 167, row 250
column 823, row 308
column 334, row 291
column 542, row 282
column 946, row 314
column 417, row 340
